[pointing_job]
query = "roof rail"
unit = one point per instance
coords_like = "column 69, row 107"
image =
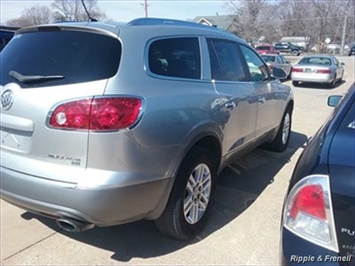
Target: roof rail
column 165, row 21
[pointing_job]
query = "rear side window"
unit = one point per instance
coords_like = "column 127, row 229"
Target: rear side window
column 78, row 56
column 175, row 57
column 226, row 61
column 5, row 37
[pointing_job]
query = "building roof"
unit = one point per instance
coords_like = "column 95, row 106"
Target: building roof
column 219, row 21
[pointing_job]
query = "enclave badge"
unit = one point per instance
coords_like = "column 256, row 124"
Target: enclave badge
column 7, row 99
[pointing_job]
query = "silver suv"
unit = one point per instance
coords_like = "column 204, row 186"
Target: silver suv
column 104, row 124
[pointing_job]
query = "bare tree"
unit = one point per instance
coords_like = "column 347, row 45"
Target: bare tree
column 296, row 18
column 248, row 24
column 323, row 13
column 32, row 16
column 73, row 10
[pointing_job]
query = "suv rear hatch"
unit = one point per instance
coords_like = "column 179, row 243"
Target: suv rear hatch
column 41, row 69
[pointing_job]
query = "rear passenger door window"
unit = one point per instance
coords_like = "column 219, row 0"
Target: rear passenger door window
column 175, row 57
column 226, row 61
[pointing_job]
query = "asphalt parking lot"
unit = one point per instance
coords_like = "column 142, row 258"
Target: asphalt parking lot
column 243, row 229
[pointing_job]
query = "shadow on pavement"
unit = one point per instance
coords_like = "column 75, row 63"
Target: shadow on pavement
column 238, row 187
column 318, row 85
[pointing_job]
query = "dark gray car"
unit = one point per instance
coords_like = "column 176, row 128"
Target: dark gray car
column 103, row 124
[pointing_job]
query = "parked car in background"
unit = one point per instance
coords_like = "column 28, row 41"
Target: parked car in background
column 352, row 50
column 318, row 69
column 289, row 48
column 265, row 49
column 318, row 219
column 108, row 123
column 276, row 60
column 6, row 34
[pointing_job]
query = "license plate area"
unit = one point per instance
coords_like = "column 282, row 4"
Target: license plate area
column 16, row 140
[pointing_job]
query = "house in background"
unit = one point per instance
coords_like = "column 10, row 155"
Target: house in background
column 225, row 22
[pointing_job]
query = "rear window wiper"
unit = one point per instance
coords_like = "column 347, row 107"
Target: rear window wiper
column 33, row 78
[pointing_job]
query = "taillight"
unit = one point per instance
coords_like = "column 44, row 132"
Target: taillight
column 271, row 66
column 96, row 114
column 309, row 200
column 323, row 71
column 297, row 69
column 308, row 211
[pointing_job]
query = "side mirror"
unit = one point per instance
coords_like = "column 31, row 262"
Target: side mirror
column 334, row 100
column 278, row 73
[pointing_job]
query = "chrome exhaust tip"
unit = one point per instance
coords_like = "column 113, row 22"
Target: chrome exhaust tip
column 73, row 226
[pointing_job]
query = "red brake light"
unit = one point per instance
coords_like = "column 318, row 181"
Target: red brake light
column 308, row 211
column 310, row 200
column 72, row 115
column 323, row 71
column 96, row 114
column 114, row 113
column 297, row 69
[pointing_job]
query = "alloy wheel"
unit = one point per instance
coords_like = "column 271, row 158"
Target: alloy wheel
column 197, row 193
column 286, row 128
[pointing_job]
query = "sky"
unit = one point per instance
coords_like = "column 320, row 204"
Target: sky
column 124, row 11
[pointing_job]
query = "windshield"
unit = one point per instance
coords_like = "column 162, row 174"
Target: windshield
column 71, row 55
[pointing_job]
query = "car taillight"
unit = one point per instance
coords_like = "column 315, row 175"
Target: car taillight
column 271, row 66
column 323, row 71
column 297, row 69
column 96, row 114
column 308, row 212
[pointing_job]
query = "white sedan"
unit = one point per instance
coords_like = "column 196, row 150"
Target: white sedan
column 318, row 69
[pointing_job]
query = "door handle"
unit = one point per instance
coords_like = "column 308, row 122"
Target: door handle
column 230, row 105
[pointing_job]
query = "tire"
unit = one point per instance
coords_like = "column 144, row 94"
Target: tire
column 295, row 83
column 190, row 200
column 280, row 142
column 333, row 83
column 295, row 52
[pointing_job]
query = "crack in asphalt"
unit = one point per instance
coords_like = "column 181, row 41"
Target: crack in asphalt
column 28, row 247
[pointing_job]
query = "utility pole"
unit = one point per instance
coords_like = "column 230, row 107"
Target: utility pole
column 343, row 35
column 146, row 8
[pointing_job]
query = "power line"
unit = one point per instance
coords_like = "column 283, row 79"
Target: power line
column 316, row 18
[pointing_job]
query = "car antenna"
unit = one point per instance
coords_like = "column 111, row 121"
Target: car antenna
column 87, row 12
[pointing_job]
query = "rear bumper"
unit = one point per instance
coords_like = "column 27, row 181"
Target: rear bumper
column 302, row 77
column 118, row 202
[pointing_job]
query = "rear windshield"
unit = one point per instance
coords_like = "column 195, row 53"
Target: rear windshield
column 268, row 58
column 76, row 56
column 322, row 61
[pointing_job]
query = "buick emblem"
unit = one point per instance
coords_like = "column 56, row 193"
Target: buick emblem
column 7, row 98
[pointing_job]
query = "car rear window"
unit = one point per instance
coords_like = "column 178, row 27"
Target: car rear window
column 322, row 61
column 268, row 58
column 77, row 56
column 175, row 57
